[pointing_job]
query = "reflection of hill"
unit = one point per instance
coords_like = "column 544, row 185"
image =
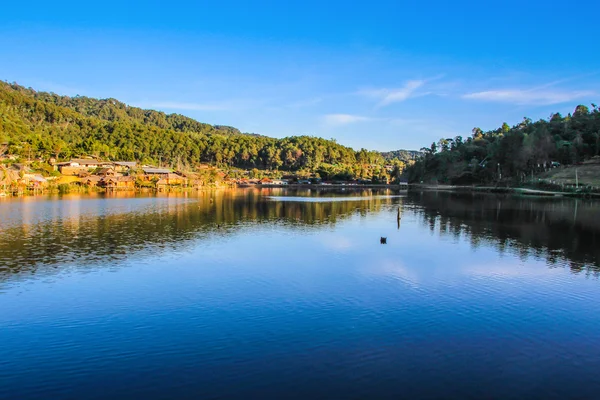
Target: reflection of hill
column 546, row 228
column 77, row 239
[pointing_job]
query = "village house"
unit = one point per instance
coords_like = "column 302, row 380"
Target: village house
column 246, row 181
column 34, row 181
column 118, row 182
column 265, row 181
column 193, row 179
column 170, row 180
column 79, row 165
column 124, row 166
column 92, row 181
column 88, row 163
column 8, row 177
column 107, row 171
column 156, row 172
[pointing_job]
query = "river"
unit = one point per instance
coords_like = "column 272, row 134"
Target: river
column 279, row 293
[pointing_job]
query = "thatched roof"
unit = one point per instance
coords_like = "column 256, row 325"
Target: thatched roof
column 129, row 164
column 93, row 179
column 8, row 176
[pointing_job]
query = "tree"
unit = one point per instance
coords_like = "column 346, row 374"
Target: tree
column 526, row 147
column 57, row 148
column 581, row 110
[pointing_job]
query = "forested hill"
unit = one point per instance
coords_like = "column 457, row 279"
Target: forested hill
column 511, row 154
column 40, row 124
column 104, row 109
column 403, row 155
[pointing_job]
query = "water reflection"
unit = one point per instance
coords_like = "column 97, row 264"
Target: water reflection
column 245, row 294
column 558, row 230
column 39, row 235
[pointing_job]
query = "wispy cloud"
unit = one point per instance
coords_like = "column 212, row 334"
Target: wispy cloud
column 344, row 119
column 387, row 96
column 536, row 96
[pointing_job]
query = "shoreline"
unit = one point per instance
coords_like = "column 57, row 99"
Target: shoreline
column 517, row 191
column 331, row 186
column 54, row 191
column 80, row 190
column 520, row 191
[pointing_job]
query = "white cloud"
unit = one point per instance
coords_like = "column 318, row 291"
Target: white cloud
column 529, row 96
column 344, row 119
column 388, row 96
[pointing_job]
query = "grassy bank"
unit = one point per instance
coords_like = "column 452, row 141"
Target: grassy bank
column 586, row 174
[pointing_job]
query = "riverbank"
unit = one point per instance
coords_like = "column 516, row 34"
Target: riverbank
column 85, row 190
column 507, row 190
column 91, row 190
column 520, row 191
column 331, row 185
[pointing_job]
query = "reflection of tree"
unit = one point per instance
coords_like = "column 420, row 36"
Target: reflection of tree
column 103, row 240
column 550, row 229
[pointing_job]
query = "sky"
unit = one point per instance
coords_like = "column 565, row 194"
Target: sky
column 381, row 75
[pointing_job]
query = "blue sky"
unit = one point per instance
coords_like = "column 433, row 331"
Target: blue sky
column 380, row 75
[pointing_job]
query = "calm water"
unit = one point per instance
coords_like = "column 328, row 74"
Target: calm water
column 289, row 294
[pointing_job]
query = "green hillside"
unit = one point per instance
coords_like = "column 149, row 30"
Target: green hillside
column 42, row 125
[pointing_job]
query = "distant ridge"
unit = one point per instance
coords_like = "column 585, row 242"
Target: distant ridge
column 402, row 155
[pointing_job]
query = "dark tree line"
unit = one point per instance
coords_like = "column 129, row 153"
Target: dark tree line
column 511, row 153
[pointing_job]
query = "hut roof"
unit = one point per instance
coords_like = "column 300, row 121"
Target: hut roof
column 130, row 164
column 152, row 170
column 104, row 170
column 93, row 178
column 87, row 161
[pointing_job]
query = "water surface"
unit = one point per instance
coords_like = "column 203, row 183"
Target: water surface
column 279, row 293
